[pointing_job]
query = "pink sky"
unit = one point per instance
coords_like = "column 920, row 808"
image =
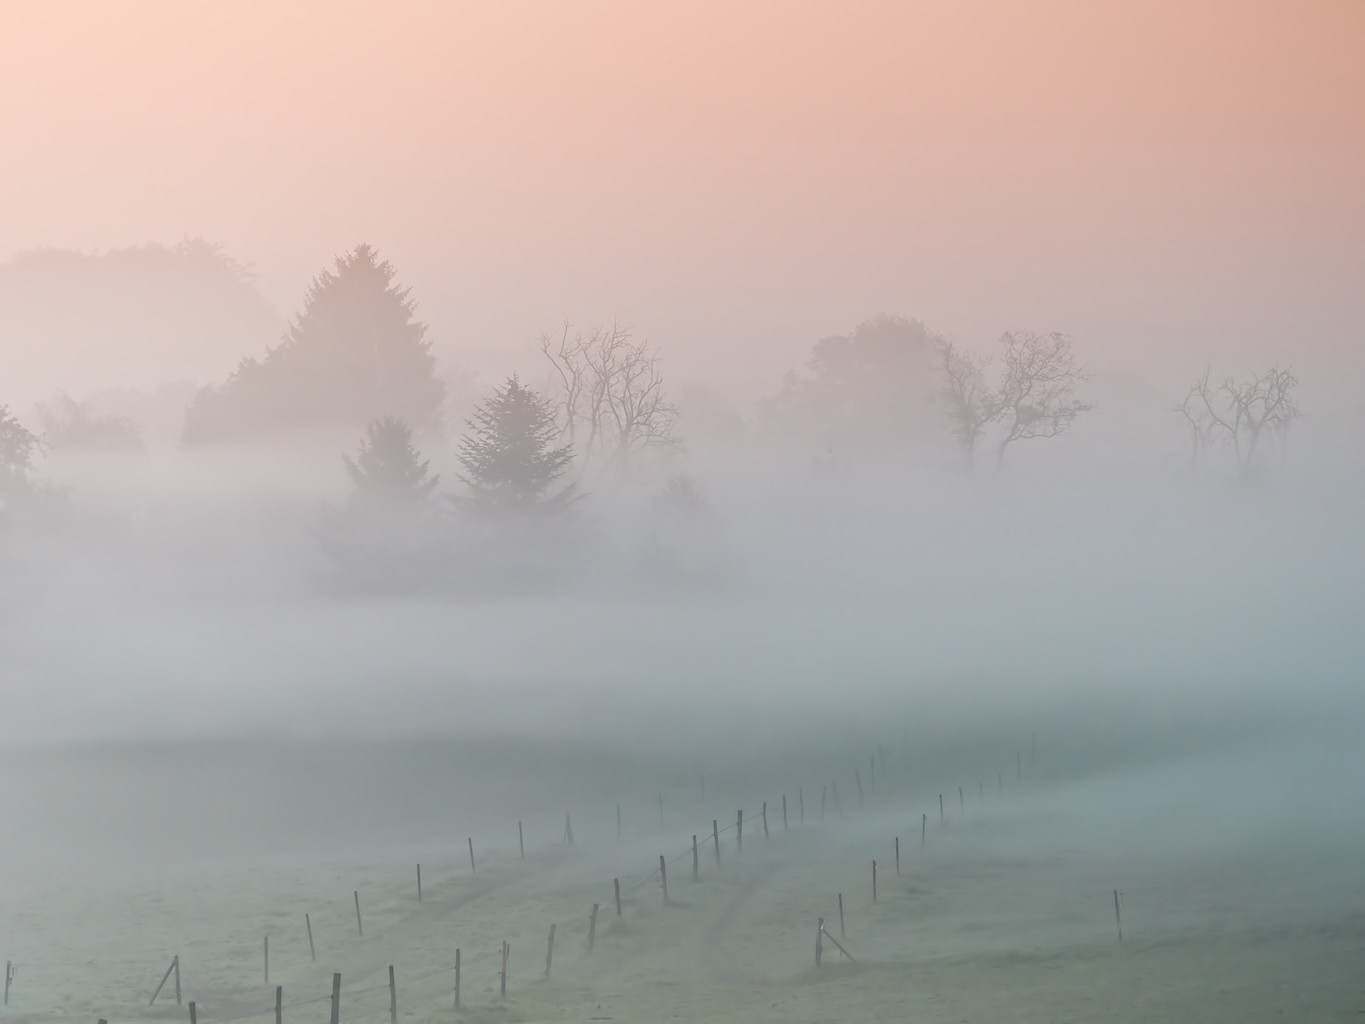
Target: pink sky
column 1165, row 181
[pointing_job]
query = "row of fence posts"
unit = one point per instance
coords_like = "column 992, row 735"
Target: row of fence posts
column 830, row 788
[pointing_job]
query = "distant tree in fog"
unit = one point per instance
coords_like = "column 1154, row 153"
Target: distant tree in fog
column 1243, row 415
column 18, row 446
column 354, row 353
column 1037, row 395
column 511, row 463
column 970, row 403
column 872, row 390
column 610, row 399
column 685, row 536
column 69, row 425
column 383, row 535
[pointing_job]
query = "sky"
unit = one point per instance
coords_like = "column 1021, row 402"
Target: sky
column 1168, row 183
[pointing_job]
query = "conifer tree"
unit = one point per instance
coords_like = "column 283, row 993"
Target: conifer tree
column 510, row 464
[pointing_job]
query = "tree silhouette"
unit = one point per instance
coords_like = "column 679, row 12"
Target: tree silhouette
column 354, row 353
column 510, row 463
column 18, row 445
column 388, row 472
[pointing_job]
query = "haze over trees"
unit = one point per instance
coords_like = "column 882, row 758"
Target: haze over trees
column 353, row 353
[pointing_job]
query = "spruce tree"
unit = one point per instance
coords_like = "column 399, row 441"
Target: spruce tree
column 387, row 472
column 510, row 463
column 354, row 353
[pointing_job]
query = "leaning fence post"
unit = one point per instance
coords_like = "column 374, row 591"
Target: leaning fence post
column 841, row 917
column 663, row 877
column 550, row 951
column 784, row 812
column 1118, row 919
column 472, row 869
column 393, row 998
column 592, row 929
column 308, row 923
column 715, row 839
column 336, row 999
column 360, row 928
column 616, row 884
column 9, row 970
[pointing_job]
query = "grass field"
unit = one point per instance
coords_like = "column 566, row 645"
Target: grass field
column 115, row 860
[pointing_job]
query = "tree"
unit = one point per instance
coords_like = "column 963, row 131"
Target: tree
column 388, row 473
column 354, row 353
column 970, row 403
column 18, row 446
column 510, row 463
column 1036, row 398
column 1241, row 414
column 611, row 402
column 73, row 426
column 872, row 389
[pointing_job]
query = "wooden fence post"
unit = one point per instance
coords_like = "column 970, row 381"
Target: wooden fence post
column 942, row 817
column 521, row 841
column 267, row 961
column 393, row 998
column 874, row 883
column 419, row 883
column 175, row 964
column 502, row 974
column 472, row 869
column 279, row 1004
column 784, row 812
column 308, row 923
column 360, row 928
column 765, row 821
column 1118, row 919
column 696, row 860
column 194, row 1017
column 336, row 999
column 9, row 973
column 715, row 839
column 923, row 828
column 663, row 877
column 457, row 980
column 550, row 951
column 592, row 929
column 841, row 917
column 616, row 883
column 898, row 855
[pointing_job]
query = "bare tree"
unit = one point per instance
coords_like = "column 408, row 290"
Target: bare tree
column 610, row 397
column 970, row 402
column 1241, row 414
column 1037, row 397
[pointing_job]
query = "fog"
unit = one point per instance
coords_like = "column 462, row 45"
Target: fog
column 939, row 426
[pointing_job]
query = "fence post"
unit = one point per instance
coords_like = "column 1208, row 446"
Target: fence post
column 616, row 884
column 715, row 839
column 801, row 806
column 176, row 965
column 765, row 821
column 942, row 817
column 308, row 923
column 739, row 831
column 592, row 929
column 898, row 855
column 457, row 980
column 502, row 974
column 267, row 961
column 359, row 927
column 393, row 998
column 784, row 812
column 663, row 877
column 549, row 952
column 841, row 917
column 568, row 831
column 521, row 841
column 472, row 869
column 9, row 973
column 336, row 999
column 279, row 1004
column 696, row 860
column 874, row 883
column 194, row 1017
column 923, row 828
column 419, row 883
column 1118, row 919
